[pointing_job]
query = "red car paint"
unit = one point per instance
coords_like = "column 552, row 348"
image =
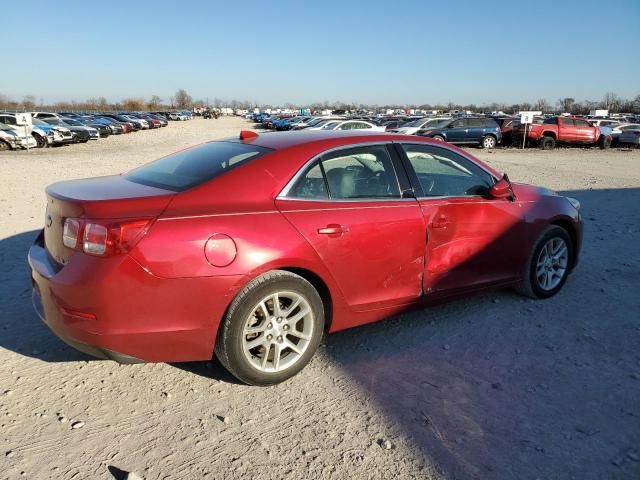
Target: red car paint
column 164, row 299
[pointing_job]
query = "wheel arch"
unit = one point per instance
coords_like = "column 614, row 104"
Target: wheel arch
column 548, row 133
column 321, row 287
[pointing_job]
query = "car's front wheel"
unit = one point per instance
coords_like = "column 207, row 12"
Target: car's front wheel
column 549, row 264
column 272, row 329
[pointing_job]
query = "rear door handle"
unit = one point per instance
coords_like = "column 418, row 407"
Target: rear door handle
column 333, row 229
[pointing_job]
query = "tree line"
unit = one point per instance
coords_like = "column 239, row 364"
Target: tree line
column 182, row 100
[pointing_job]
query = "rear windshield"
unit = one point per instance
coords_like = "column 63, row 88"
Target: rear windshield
column 188, row 168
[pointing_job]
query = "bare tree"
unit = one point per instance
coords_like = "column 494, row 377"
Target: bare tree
column 29, row 102
column 183, row 99
column 154, row 102
column 610, row 101
column 566, row 103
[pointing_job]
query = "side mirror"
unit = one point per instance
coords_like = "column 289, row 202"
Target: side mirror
column 501, row 189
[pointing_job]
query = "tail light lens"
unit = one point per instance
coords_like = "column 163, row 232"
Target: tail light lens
column 103, row 238
column 70, row 232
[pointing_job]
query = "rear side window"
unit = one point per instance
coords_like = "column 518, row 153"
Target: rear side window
column 188, row 168
column 350, row 173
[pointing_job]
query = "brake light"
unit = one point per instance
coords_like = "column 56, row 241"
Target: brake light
column 104, row 238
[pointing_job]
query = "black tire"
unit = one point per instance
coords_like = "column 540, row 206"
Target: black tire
column 4, row 146
column 489, row 142
column 229, row 344
column 605, row 143
column 547, row 143
column 41, row 142
column 530, row 286
column 439, row 138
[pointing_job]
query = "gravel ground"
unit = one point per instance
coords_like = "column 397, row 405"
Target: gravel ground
column 493, row 386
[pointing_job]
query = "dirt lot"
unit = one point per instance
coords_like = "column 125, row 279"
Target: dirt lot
column 494, row 386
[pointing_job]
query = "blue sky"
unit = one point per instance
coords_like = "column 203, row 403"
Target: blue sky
column 298, row 51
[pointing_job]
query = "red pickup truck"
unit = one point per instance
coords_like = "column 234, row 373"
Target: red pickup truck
column 568, row 130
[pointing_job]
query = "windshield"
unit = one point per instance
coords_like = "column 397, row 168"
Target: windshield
column 73, row 122
column 188, row 168
column 53, row 121
column 37, row 121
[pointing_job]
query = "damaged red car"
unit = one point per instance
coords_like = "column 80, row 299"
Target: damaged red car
column 251, row 249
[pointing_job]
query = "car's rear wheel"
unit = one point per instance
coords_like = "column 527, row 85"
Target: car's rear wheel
column 488, row 141
column 439, row 138
column 549, row 264
column 605, row 143
column 272, row 329
column 547, row 143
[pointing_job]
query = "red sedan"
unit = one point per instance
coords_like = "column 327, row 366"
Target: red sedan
column 252, row 248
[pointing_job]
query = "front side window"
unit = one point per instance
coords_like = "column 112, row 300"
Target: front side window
column 351, row 173
column 443, row 173
column 193, row 166
column 458, row 124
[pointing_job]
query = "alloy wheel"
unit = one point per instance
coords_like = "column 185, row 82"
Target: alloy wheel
column 278, row 331
column 552, row 263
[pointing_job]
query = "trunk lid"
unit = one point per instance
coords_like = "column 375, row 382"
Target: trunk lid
column 97, row 198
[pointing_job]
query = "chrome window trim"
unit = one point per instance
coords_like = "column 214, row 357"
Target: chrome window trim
column 283, row 195
column 402, row 142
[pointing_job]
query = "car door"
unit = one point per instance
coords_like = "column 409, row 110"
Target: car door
column 472, row 240
column 566, row 130
column 584, row 132
column 474, row 131
column 347, row 204
column 456, row 132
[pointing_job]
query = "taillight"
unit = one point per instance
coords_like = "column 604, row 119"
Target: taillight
column 70, row 232
column 104, row 238
column 95, row 239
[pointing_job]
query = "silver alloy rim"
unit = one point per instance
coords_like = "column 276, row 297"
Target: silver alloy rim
column 278, row 331
column 552, row 263
column 488, row 142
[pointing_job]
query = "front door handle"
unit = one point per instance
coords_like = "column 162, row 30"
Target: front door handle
column 441, row 222
column 333, row 229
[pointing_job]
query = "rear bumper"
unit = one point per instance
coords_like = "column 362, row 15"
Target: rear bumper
column 113, row 308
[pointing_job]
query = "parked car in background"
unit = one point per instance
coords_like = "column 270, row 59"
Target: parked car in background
column 352, row 125
column 103, row 129
column 465, row 131
column 163, row 121
column 94, row 134
column 80, row 133
column 630, row 135
column 562, row 129
column 393, row 125
column 507, row 125
column 133, row 123
column 43, row 136
column 117, row 128
column 176, row 260
column 412, row 127
column 314, row 122
column 61, row 135
column 11, row 139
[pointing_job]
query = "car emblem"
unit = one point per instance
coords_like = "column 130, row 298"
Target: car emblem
column 49, row 220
